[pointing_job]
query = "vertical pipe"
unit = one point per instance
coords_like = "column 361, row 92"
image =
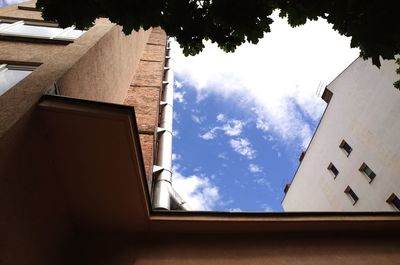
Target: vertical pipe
column 164, row 196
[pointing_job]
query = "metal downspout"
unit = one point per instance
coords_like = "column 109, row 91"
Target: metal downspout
column 164, row 196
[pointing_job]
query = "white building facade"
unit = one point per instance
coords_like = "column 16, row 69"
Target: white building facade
column 353, row 161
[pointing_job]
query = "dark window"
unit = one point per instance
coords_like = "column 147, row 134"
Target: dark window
column 351, row 194
column 345, row 147
column 287, row 187
column 333, row 169
column 28, row 8
column 394, row 200
column 368, row 172
column 327, row 95
column 302, row 155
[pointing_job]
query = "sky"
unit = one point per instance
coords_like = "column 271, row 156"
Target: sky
column 10, row 2
column 242, row 119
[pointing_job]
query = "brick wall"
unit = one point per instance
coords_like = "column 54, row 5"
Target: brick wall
column 144, row 94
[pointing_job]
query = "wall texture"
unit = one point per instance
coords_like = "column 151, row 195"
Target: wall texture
column 34, row 225
column 296, row 249
column 13, row 12
column 145, row 92
column 105, row 71
column 365, row 112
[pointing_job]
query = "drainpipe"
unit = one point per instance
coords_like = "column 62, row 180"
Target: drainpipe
column 164, row 196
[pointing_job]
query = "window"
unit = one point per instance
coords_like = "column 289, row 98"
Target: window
column 333, row 169
column 394, row 200
column 345, row 147
column 10, row 75
column 302, row 155
column 368, row 172
column 29, row 8
column 24, row 29
column 352, row 195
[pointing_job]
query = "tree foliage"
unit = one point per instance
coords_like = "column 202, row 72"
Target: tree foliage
column 373, row 25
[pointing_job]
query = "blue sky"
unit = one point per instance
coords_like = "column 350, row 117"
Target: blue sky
column 10, row 2
column 242, row 119
column 218, row 145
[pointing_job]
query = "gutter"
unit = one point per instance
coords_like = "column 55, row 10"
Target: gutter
column 164, row 195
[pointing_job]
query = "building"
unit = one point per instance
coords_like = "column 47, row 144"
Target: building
column 352, row 161
column 79, row 149
column 135, row 67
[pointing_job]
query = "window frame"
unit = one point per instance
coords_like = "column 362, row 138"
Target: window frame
column 370, row 176
column 29, row 8
column 394, row 201
column 351, row 195
column 342, row 146
column 332, row 166
column 56, row 37
column 16, row 67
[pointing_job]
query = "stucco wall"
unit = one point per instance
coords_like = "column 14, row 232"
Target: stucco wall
column 28, row 52
column 66, row 64
column 299, row 249
column 105, row 71
column 13, row 12
column 34, row 226
column 20, row 51
column 365, row 112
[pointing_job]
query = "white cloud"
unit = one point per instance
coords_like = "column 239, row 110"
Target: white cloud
column 179, row 96
column 176, row 157
column 197, row 169
column 176, row 117
column 220, row 117
column 223, row 203
column 253, row 168
column 199, row 192
column 243, row 147
column 235, row 210
column 306, row 135
column 10, row 2
column 176, row 134
column 211, row 134
column 279, row 76
column 198, row 119
column 266, row 208
column 178, row 84
column 230, row 128
column 223, row 156
column 264, row 182
column 269, row 138
column 261, row 123
column 233, row 127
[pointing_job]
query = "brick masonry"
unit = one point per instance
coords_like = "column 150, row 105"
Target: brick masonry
column 154, row 52
column 158, row 37
column 144, row 94
column 147, row 144
column 146, row 102
column 148, row 74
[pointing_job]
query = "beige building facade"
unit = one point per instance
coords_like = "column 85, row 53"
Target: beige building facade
column 352, row 161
